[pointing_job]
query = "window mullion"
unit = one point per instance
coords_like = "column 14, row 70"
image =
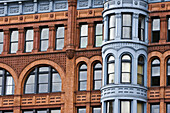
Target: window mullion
column 50, row 79
column 36, row 81
column 3, row 83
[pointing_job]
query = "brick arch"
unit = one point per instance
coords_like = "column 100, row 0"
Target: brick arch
column 27, row 69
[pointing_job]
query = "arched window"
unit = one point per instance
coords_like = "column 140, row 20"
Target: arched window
column 111, row 69
column 168, row 72
column 43, row 79
column 82, row 77
column 155, row 72
column 140, row 76
column 126, row 69
column 97, row 76
column 6, row 83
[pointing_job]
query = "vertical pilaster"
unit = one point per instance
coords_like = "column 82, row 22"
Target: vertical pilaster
column 17, row 104
column 116, row 105
column 51, row 42
column 21, row 40
column 134, row 106
column 6, row 41
column 150, row 30
column 135, row 19
column 106, row 26
column 90, row 35
column 118, row 26
column 163, row 29
column 36, row 43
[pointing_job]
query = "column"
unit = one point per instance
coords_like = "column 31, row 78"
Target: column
column 163, row 29
column 17, row 104
column 150, row 30
column 134, row 106
column 21, row 40
column 106, row 28
column 90, row 35
column 104, row 107
column 51, row 42
column 135, row 20
column 118, row 26
column 36, row 43
column 6, row 41
column 116, row 106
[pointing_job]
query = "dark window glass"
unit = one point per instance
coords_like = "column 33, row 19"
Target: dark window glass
column 141, row 28
column 1, row 41
column 98, row 35
column 140, row 79
column 44, row 39
column 126, row 69
column 14, row 41
column 43, row 111
column 82, row 77
column 168, row 72
column 43, row 80
column 126, row 26
column 6, row 111
column 59, row 38
column 155, row 72
column 125, row 107
column 155, row 108
column 6, row 83
column 81, row 110
column 111, row 69
column 110, row 106
column 96, row 110
column 112, row 27
column 29, row 38
column 140, row 107
column 155, row 30
column 83, row 36
column 97, row 76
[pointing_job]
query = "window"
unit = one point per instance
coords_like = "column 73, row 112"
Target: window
column 59, row 38
column 141, row 28
column 112, row 27
column 96, row 110
column 155, row 72
column 155, row 30
column 43, row 79
column 43, row 111
column 98, row 35
column 83, row 77
column 155, row 108
column 168, row 72
column 1, row 41
column 110, row 107
column 111, row 69
column 126, row 69
column 126, row 26
column 44, row 39
column 125, row 106
column 6, row 83
column 83, row 35
column 97, row 76
column 167, row 108
column 140, row 79
column 168, row 30
column 14, row 41
column 6, row 111
column 29, row 38
column 140, row 107
column 81, row 110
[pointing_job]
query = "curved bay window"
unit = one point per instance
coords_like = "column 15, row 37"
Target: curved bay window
column 110, row 69
column 155, row 72
column 112, row 27
column 6, row 83
column 168, row 72
column 82, row 77
column 97, row 81
column 126, row 69
column 140, row 76
column 43, row 79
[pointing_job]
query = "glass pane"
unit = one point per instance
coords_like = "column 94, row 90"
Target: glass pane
column 29, row 89
column 156, row 71
column 168, row 23
column 126, row 32
column 14, row 47
column 112, row 21
column 29, row 47
column 84, row 30
column 126, row 77
column 43, row 69
column 1, row 71
column 83, row 42
column 60, row 44
column 81, row 110
column 56, row 87
column 125, row 106
column 28, row 112
column 155, row 24
column 98, row 74
column 98, row 41
column 83, row 86
column 0, row 90
column 141, row 21
column 156, row 61
column 56, row 77
column 8, row 112
column 9, row 80
column 111, row 78
column 140, row 79
column 0, row 80
column 140, row 107
column 154, row 108
column 60, row 32
column 140, row 69
column 44, row 111
column 83, row 66
column 111, row 58
column 31, row 79
column 1, row 36
column 55, row 111
column 99, row 29
column 43, row 78
column 96, row 110
column 98, row 65
column 168, row 69
column 110, row 107
column 127, row 20
column 83, row 75
column 168, row 108
column 43, row 88
column 111, row 68
column 126, row 57
column 97, row 85
column 29, row 34
column 44, row 45
column 9, row 90
column 14, row 36
column 44, row 33
column 112, row 34
column 126, row 67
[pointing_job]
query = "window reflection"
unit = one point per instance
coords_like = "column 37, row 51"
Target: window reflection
column 60, row 38
column 83, row 35
column 82, row 77
column 1, row 41
column 44, row 39
column 29, row 38
column 14, row 41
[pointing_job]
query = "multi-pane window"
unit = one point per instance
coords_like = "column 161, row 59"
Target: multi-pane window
column 126, row 26
column 6, row 83
column 6, row 111
column 155, row 72
column 29, row 38
column 83, row 35
column 125, row 106
column 140, row 107
column 140, row 79
column 168, row 108
column 141, row 28
column 155, row 30
column 82, row 77
column 1, row 41
column 43, row 111
column 14, row 41
column 110, row 107
column 97, row 76
column 168, row 72
column 98, row 34
column 43, row 79
column 44, row 39
column 59, row 38
column 168, row 30
column 126, row 69
column 81, row 110
column 96, row 110
column 110, row 69
column 155, row 108
column 112, row 27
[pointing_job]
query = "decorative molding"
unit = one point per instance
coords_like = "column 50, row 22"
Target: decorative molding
column 159, row 6
column 70, row 53
column 159, row 48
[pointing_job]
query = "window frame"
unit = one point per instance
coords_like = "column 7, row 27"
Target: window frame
column 121, row 105
column 155, row 65
column 96, row 107
column 2, row 43
column 154, row 104
column 96, row 35
column 143, row 66
column 140, row 28
column 79, row 81
column 109, row 28
column 94, row 80
column 12, row 42
column 28, row 40
column 167, row 65
column 155, row 30
column 142, row 105
column 35, row 110
column 167, row 106
column 80, row 108
column 41, row 40
column 109, row 107
column 80, row 38
column 60, row 38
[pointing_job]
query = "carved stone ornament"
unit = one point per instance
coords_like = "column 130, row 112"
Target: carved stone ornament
column 70, row 53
